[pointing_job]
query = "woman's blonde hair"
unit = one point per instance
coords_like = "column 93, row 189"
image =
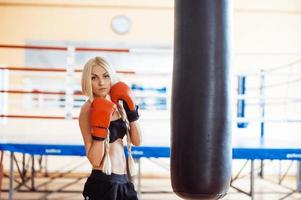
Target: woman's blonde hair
column 87, row 71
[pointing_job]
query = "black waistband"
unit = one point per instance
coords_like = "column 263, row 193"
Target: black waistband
column 115, row 178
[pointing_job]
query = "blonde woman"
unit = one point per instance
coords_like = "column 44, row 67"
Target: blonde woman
column 105, row 118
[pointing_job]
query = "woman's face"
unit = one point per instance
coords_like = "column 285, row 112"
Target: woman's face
column 101, row 82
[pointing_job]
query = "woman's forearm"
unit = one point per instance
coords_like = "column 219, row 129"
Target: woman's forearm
column 135, row 133
column 96, row 153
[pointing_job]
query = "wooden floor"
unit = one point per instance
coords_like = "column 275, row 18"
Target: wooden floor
column 151, row 189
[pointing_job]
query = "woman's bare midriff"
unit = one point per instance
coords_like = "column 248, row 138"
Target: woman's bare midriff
column 117, row 157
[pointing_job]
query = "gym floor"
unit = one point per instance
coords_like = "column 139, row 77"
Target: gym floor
column 153, row 188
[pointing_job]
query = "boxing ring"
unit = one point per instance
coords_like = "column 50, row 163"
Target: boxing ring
column 258, row 144
column 247, row 152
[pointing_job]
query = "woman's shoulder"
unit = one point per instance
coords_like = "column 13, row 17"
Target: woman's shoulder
column 85, row 107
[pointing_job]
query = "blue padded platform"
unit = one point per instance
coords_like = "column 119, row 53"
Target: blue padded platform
column 281, row 153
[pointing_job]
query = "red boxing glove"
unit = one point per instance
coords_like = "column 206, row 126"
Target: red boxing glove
column 120, row 91
column 100, row 117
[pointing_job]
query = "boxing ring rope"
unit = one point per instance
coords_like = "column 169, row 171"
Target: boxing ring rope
column 61, row 48
column 34, row 117
column 272, row 69
column 78, row 93
column 14, row 68
column 84, row 49
column 265, row 101
column 37, row 92
column 139, row 152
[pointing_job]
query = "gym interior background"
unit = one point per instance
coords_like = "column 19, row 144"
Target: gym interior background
column 137, row 38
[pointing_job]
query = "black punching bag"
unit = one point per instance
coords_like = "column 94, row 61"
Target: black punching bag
column 201, row 152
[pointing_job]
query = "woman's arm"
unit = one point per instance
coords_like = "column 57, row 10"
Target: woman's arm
column 135, row 133
column 94, row 148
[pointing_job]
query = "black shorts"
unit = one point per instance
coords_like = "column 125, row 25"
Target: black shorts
column 100, row 186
